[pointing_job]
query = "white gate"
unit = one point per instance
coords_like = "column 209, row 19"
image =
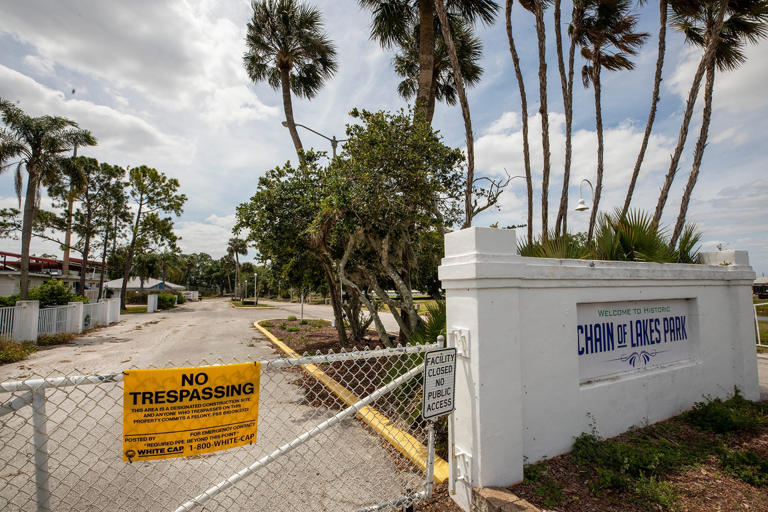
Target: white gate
column 335, row 432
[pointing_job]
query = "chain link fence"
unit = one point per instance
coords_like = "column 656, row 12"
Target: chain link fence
column 335, row 432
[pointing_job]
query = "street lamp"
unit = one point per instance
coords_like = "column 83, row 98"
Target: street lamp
column 581, row 206
column 333, row 140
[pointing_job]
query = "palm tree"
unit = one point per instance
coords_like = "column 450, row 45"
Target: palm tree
column 714, row 26
column 747, row 23
column 607, row 39
column 537, row 8
column 36, row 144
column 66, row 191
column 393, row 20
column 287, row 47
column 235, row 248
column 682, row 6
column 469, row 50
column 524, row 115
column 577, row 13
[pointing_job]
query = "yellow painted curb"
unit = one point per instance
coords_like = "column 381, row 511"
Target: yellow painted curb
column 252, row 307
column 403, row 441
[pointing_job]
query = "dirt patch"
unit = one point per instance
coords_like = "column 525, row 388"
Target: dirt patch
column 439, row 502
column 316, row 336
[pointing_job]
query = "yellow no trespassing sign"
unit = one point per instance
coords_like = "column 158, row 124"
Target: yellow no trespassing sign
column 178, row 412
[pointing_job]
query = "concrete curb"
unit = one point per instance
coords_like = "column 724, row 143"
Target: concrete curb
column 404, row 442
column 252, row 307
column 499, row 499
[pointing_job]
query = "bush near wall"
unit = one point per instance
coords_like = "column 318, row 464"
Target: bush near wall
column 166, row 301
column 55, row 293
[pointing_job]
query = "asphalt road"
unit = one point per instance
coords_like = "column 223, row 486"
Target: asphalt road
column 344, row 468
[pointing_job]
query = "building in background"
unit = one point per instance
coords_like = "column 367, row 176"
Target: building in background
column 45, row 269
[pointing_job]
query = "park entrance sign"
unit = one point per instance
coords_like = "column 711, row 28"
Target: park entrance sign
column 621, row 337
column 439, row 382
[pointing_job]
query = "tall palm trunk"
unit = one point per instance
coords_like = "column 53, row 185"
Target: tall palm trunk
column 654, row 104
column 26, row 230
column 285, row 82
column 565, row 84
column 713, row 38
column 524, row 109
column 426, row 58
column 544, row 113
column 599, row 130
column 86, row 246
column 701, row 144
column 68, row 231
column 103, row 261
column 448, row 38
column 129, row 257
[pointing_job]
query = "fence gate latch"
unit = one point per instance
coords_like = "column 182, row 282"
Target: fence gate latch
column 463, row 465
column 460, row 340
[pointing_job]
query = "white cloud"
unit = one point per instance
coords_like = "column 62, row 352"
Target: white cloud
column 40, row 65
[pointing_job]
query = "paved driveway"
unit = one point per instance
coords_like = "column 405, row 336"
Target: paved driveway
column 345, row 468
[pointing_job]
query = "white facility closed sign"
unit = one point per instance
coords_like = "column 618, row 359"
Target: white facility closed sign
column 439, row 382
column 620, row 337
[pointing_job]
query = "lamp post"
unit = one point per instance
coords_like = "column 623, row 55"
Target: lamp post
column 581, row 206
column 332, row 139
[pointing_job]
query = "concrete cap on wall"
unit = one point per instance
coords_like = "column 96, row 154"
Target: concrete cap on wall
column 477, row 240
column 725, row 258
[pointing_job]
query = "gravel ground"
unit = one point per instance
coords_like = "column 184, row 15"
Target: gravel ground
column 343, row 469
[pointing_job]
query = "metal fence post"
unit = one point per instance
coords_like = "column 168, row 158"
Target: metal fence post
column 39, row 419
column 430, row 481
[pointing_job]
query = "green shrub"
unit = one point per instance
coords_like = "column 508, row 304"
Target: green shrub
column 266, row 323
column 534, row 472
column 655, row 494
column 166, row 301
column 11, row 352
column 291, row 318
column 54, row 293
column 282, row 326
column 746, row 466
column 550, row 492
column 304, row 322
column 47, row 340
column 293, row 329
column 181, row 298
column 8, row 301
column 736, row 413
column 136, row 297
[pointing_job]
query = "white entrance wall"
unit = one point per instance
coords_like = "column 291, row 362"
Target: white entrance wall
column 519, row 393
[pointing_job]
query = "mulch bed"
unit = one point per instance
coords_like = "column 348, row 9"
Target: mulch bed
column 703, row 486
column 439, row 502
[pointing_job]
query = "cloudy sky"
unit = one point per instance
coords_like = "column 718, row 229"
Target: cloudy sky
column 162, row 84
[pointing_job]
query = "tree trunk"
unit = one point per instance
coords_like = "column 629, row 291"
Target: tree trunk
column 654, row 103
column 426, row 57
column 103, row 262
column 129, row 257
column 541, row 36
column 285, row 82
column 448, row 38
column 701, row 144
column 565, row 84
column 26, row 231
column 68, row 232
column 713, row 38
column 86, row 245
column 432, row 93
column 599, row 129
column 524, row 109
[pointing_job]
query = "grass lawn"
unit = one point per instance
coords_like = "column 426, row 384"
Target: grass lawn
column 133, row 308
column 761, row 310
column 763, row 332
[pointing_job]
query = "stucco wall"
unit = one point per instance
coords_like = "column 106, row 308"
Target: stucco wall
column 520, row 396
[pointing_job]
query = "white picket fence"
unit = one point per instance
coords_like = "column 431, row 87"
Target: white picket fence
column 26, row 321
column 56, row 320
column 6, row 322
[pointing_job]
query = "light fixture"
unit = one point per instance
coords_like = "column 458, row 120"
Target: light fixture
column 581, row 206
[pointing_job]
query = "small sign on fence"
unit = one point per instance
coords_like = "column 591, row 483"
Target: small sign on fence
column 439, row 380
column 179, row 412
